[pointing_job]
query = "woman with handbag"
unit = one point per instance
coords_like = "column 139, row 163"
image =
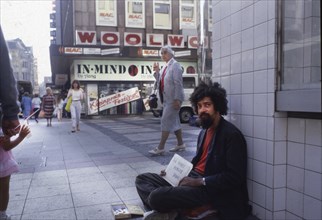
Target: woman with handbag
column 48, row 103
column 77, row 95
column 170, row 84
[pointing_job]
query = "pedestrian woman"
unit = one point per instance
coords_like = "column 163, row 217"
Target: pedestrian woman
column 170, row 84
column 26, row 105
column 48, row 105
column 75, row 108
column 36, row 101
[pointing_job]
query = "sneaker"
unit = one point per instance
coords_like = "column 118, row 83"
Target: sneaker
column 178, row 148
column 156, row 151
column 154, row 215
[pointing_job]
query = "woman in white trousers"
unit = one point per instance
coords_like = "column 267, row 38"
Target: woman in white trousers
column 75, row 108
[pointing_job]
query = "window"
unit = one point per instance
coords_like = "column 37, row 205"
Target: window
column 135, row 13
column 25, row 64
column 162, row 14
column 300, row 47
column 187, row 14
column 106, row 13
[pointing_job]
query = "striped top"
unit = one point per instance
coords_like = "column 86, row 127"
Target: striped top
column 48, row 102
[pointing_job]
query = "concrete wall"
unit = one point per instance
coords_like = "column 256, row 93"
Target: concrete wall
column 284, row 154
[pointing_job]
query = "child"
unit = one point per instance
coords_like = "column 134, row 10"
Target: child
column 8, row 166
column 59, row 108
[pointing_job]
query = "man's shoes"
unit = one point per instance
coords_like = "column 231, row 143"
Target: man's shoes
column 200, row 212
column 154, row 215
column 181, row 147
column 156, row 151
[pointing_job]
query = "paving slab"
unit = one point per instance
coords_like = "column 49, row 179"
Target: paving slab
column 61, row 214
column 49, row 203
column 95, row 198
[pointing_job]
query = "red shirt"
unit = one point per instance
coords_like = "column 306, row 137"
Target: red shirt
column 200, row 167
column 162, row 79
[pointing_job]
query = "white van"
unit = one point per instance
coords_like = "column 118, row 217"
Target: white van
column 190, row 81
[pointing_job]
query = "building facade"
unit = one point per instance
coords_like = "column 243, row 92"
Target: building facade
column 267, row 54
column 24, row 65
column 110, row 47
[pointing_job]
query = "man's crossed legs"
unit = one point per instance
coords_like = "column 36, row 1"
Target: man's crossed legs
column 158, row 195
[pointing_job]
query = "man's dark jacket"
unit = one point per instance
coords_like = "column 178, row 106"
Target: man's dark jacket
column 225, row 172
column 8, row 87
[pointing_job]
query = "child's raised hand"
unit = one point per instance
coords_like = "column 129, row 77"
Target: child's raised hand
column 24, row 131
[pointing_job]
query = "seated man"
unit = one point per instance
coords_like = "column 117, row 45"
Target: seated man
column 219, row 169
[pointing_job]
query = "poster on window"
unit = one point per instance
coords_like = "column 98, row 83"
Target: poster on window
column 113, row 100
column 162, row 14
column 106, row 13
column 135, row 13
column 188, row 17
column 188, row 14
column 91, row 95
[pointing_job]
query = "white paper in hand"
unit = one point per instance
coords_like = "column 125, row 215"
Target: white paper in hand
column 177, row 169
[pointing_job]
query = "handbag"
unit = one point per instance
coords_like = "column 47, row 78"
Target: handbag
column 41, row 114
column 69, row 102
column 153, row 101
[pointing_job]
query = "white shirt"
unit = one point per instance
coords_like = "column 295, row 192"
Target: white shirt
column 77, row 95
column 36, row 101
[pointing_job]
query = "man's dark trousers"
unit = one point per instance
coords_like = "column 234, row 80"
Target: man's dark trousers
column 157, row 194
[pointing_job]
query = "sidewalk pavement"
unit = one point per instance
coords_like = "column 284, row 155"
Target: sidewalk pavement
column 66, row 175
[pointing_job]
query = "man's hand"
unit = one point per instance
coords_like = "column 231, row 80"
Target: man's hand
column 176, row 104
column 189, row 181
column 10, row 127
column 156, row 67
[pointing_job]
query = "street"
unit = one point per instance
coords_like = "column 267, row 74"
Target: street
column 66, row 175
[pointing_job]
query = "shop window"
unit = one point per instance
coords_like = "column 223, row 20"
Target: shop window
column 300, row 50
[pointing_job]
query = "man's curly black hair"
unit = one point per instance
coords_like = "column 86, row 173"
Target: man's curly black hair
column 215, row 92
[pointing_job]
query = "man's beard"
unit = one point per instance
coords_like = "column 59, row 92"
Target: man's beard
column 205, row 120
